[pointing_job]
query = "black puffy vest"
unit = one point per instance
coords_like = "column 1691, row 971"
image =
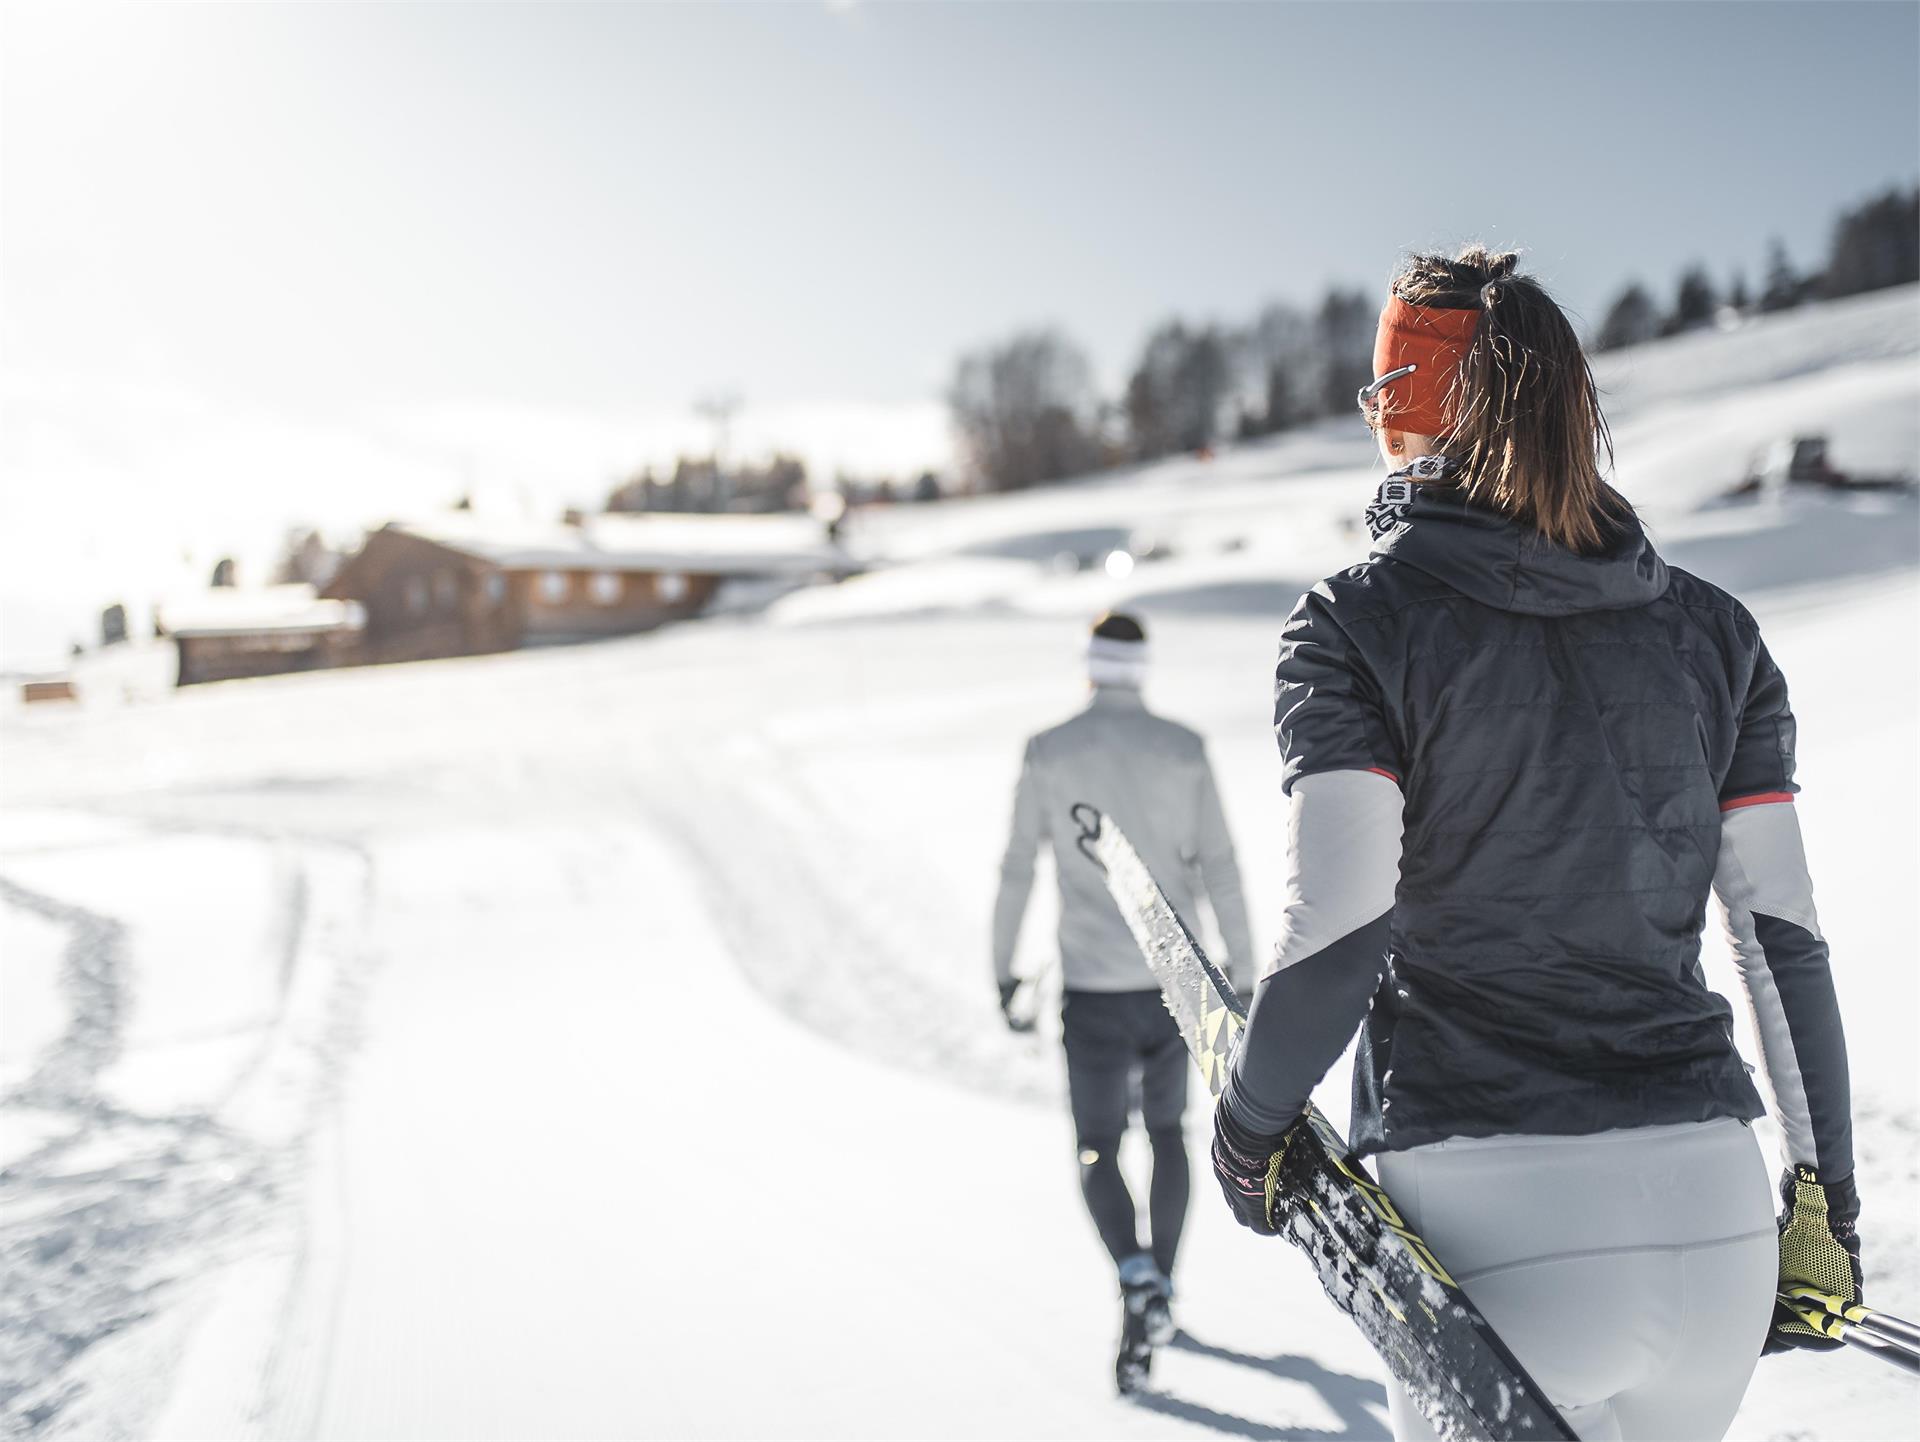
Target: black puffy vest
column 1565, row 730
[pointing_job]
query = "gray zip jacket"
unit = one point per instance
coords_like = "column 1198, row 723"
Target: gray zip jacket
column 1151, row 776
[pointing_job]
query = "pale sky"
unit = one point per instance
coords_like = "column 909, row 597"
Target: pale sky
column 247, row 248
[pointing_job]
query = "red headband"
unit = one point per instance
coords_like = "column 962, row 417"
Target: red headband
column 1432, row 339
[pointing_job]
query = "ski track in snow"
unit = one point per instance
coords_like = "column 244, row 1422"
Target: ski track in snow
column 850, row 934
column 113, row 1211
column 106, row 1215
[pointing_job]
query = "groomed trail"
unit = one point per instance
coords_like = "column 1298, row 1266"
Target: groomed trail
column 598, row 1042
column 582, row 1179
column 641, row 1135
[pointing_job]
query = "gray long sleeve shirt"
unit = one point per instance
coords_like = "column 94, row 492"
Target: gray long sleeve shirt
column 1152, row 778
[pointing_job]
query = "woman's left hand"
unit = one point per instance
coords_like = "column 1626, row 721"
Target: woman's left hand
column 1248, row 1166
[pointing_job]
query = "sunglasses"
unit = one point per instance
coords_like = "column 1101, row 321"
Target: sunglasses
column 1370, row 392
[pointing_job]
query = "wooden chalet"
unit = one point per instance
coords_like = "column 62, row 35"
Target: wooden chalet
column 228, row 632
column 463, row 583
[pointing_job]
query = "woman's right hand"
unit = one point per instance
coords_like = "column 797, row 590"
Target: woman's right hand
column 1819, row 1249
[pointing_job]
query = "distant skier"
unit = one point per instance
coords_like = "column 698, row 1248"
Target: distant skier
column 1519, row 751
column 1152, row 777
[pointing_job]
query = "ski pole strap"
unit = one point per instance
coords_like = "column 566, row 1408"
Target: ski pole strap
column 1828, row 1306
column 1088, row 819
column 1825, row 1313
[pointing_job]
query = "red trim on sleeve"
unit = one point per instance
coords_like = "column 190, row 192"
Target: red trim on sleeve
column 1759, row 798
column 1382, row 771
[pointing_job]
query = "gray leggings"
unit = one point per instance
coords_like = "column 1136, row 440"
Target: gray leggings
column 1631, row 1272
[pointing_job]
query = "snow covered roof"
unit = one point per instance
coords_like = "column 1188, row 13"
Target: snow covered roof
column 617, row 541
column 233, row 611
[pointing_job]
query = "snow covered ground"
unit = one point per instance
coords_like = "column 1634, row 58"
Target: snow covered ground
column 598, row 1042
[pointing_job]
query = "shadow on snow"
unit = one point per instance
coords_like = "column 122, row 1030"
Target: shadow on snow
column 1345, row 1395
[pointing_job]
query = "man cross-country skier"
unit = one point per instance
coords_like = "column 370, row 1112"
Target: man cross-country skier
column 1152, row 777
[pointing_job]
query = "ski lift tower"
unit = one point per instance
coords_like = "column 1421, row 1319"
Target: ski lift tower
column 719, row 409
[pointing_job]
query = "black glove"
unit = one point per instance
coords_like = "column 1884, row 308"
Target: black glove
column 1819, row 1249
column 1248, row 1166
column 1008, row 990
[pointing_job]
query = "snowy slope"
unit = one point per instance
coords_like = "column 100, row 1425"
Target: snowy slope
column 598, row 1042
column 1687, row 415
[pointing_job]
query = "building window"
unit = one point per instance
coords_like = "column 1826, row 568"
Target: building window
column 604, row 588
column 670, row 586
column 414, row 595
column 446, row 590
column 494, row 588
column 554, row 586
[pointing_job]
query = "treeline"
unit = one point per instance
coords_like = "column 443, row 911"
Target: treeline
column 1874, row 245
column 701, row 484
column 1026, row 411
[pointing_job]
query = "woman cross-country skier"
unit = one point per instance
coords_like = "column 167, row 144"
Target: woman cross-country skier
column 1520, row 750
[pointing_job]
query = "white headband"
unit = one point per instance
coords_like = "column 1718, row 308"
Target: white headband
column 1116, row 663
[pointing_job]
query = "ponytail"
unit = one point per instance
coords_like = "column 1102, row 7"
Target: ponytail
column 1527, row 436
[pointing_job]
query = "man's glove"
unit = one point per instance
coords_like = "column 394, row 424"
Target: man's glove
column 1015, row 1022
column 1819, row 1248
column 1248, row 1166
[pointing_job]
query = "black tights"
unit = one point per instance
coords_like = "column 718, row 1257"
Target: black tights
column 1112, row 1204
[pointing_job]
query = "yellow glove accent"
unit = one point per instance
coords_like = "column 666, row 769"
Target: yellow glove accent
column 1811, row 1258
column 1273, row 1176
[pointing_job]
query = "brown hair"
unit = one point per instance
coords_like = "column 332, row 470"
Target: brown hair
column 1528, row 436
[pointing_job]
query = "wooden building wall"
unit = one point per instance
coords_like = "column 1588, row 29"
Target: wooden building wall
column 423, row 600
column 583, row 605
column 261, row 653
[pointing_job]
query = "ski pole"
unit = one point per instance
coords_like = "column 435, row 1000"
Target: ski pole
column 1884, row 1348
column 1891, row 1327
column 1890, row 1338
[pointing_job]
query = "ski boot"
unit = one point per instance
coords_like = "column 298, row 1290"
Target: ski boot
column 1135, row 1361
column 1146, row 1320
column 1159, row 1315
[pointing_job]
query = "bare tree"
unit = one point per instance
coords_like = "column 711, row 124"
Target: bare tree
column 1277, row 370
column 1343, row 330
column 1179, row 390
column 305, row 556
column 1023, row 410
